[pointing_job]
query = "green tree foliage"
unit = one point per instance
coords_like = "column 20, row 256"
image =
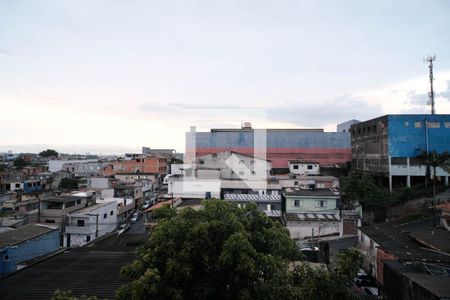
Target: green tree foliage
column 361, row 187
column 221, row 251
column 68, row 183
column 20, row 162
column 164, row 212
column 67, row 295
column 228, row 252
column 434, row 160
column 317, row 284
column 48, row 153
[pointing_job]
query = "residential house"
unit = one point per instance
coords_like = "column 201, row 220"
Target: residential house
column 130, row 190
column 311, row 213
column 90, row 222
column 301, row 167
column 416, row 242
column 143, row 164
column 124, row 207
column 54, row 210
column 25, row 243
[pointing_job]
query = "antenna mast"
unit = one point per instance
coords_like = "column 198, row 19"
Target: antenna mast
column 429, row 60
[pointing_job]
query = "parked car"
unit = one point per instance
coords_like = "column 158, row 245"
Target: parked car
column 146, row 204
column 123, row 228
column 135, row 217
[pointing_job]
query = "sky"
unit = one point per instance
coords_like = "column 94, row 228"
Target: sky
column 112, row 76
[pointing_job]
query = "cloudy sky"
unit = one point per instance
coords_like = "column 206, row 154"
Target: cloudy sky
column 112, row 76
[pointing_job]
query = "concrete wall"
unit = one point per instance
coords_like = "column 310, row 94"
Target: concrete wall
column 304, row 229
column 327, row 148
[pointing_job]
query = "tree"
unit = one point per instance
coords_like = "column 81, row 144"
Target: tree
column 20, row 162
column 228, row 252
column 68, row 183
column 434, row 160
column 67, row 295
column 221, row 251
column 164, row 212
column 48, row 153
column 317, row 284
column 361, row 187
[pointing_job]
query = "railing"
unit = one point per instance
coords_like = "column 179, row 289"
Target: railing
column 253, row 197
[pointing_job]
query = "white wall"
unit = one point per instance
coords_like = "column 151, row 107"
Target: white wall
column 194, row 188
column 305, row 229
column 304, row 168
column 107, row 222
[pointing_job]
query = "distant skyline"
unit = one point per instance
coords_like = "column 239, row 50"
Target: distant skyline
column 113, row 76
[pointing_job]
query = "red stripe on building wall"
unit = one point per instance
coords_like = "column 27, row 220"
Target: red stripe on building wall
column 281, row 156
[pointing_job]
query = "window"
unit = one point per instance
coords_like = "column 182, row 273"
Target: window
column 447, row 124
column 111, row 213
column 310, row 167
column 50, row 221
column 295, row 182
column 17, row 185
column 321, row 203
column 79, row 201
column 418, row 124
column 298, row 203
column 406, row 124
column 80, row 223
column 6, row 257
column 88, row 238
column 320, row 185
column 252, row 161
column 433, row 125
column 104, row 216
column 70, row 204
column 253, row 172
column 295, row 167
column 241, row 172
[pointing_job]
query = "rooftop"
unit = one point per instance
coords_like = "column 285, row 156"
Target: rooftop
column 399, row 239
column 94, row 207
column 62, row 199
column 313, row 193
column 92, row 270
column 311, row 216
column 24, row 233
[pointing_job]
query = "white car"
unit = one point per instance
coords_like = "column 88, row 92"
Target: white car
column 123, row 228
column 146, row 205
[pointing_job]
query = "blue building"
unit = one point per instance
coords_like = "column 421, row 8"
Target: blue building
column 24, row 243
column 388, row 146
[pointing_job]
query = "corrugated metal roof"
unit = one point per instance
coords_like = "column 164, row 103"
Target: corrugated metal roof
column 24, row 233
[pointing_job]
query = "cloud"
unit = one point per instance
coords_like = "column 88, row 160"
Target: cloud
column 446, row 92
column 335, row 111
column 417, row 99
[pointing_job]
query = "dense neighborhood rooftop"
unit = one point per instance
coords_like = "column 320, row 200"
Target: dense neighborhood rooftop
column 92, row 270
column 23, row 233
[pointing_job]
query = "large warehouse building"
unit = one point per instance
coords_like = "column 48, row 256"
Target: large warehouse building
column 281, row 145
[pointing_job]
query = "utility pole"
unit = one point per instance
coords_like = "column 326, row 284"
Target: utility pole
column 429, row 60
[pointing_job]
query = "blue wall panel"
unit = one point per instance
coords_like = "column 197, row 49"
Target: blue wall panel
column 407, row 140
column 24, row 251
column 275, row 139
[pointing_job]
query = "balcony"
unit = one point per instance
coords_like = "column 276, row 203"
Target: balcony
column 252, row 197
